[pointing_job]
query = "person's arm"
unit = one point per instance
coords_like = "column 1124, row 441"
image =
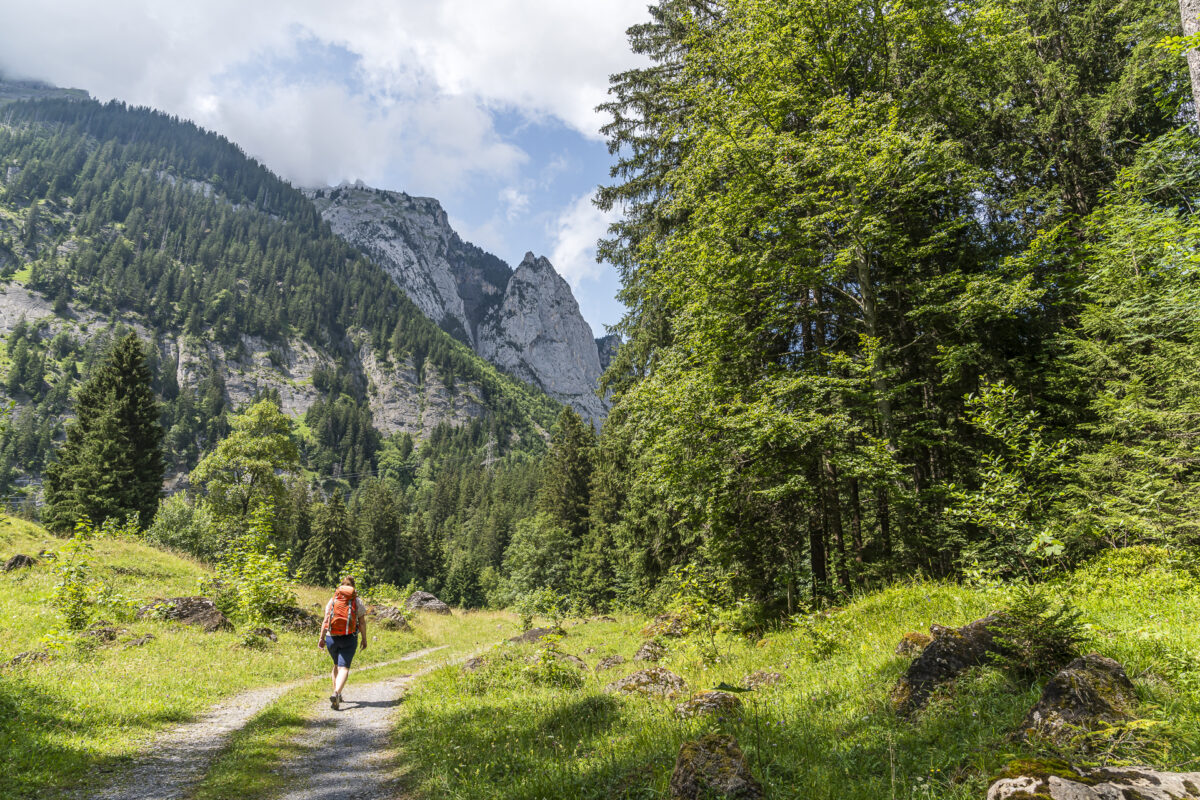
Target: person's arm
column 324, row 625
column 362, row 622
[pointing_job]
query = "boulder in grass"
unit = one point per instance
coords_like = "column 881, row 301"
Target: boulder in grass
column 608, row 662
column 650, row 651
column 912, row 643
column 951, row 652
column 424, row 601
column 536, row 634
column 198, row 611
column 140, row 641
column 711, row 702
column 298, row 620
column 474, row 664
column 1056, row 780
column 576, row 661
column 29, row 657
column 19, row 561
column 713, row 766
column 265, row 633
column 103, row 632
column 388, row 618
column 653, row 682
column 1088, row 691
column 761, row 679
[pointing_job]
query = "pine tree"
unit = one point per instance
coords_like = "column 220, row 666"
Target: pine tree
column 567, row 473
column 111, row 465
column 331, row 545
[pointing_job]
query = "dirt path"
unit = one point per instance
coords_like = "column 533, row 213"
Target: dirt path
column 178, row 757
column 347, row 752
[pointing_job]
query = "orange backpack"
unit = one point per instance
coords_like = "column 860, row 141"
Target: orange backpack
column 343, row 618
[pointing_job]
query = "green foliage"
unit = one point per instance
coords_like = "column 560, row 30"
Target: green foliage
column 78, row 594
column 332, row 545
column 185, row 526
column 251, row 575
column 543, row 602
column 1036, row 635
column 111, row 464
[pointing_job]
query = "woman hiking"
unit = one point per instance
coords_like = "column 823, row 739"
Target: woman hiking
column 345, row 617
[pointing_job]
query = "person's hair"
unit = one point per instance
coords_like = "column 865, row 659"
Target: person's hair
column 348, row 580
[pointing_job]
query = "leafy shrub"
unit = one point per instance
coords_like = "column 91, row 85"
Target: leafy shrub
column 544, row 602
column 78, row 593
column 821, row 634
column 183, row 526
column 1036, row 637
column 251, row 577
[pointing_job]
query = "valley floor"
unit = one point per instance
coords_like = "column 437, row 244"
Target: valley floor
column 525, row 722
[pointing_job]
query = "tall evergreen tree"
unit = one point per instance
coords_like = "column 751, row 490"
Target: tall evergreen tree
column 111, row 464
column 333, row 542
column 567, row 473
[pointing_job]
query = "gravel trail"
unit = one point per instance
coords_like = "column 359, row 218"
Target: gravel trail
column 347, row 752
column 177, row 758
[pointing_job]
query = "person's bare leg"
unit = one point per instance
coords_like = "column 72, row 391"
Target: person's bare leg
column 340, row 681
column 333, row 676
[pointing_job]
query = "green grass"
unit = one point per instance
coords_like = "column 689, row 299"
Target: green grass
column 248, row 767
column 65, row 723
column 828, row 731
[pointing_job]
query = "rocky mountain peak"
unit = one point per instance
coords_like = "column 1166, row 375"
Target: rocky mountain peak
column 526, row 321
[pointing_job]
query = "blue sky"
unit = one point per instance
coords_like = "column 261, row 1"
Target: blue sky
column 486, row 105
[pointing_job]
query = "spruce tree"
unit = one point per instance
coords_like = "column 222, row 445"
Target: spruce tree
column 567, row 473
column 331, row 545
column 111, row 464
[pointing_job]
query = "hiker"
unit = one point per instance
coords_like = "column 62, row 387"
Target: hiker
column 345, row 617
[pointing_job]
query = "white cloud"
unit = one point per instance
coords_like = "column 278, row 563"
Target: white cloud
column 575, row 234
column 515, row 202
column 427, row 74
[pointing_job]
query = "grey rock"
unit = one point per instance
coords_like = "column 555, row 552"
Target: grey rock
column 198, row 611
column 536, row 634
column 951, row 652
column 424, row 601
column 608, row 662
column 710, row 702
column 29, row 657
column 650, row 651
column 713, row 766
column 298, row 620
column 265, row 633
column 761, row 679
column 1059, row 781
column 388, row 618
column 140, row 641
column 1088, row 691
column 653, row 682
column 606, row 349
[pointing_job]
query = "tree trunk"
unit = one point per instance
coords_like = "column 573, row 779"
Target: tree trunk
column 856, row 521
column 816, row 552
column 833, row 517
column 1189, row 12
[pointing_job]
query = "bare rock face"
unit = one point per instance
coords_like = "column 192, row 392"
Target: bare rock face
column 653, row 682
column 526, row 321
column 198, row 611
column 713, row 766
column 951, row 652
column 19, row 561
column 424, row 601
column 709, row 703
column 1056, row 780
column 538, row 335
column 1089, row 690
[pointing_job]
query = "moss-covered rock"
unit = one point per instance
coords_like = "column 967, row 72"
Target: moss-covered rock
column 673, row 625
column 713, row 766
column 1031, row 779
column 650, row 651
column 710, row 702
column 761, row 679
column 1088, row 691
column 912, row 643
column 653, row 682
column 951, row 652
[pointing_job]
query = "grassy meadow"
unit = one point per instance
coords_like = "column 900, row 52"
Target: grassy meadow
column 71, row 720
column 828, row 731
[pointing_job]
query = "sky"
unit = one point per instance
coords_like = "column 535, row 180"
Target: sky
column 487, row 105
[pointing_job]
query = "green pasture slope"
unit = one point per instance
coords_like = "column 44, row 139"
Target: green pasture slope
column 67, row 722
column 828, row 731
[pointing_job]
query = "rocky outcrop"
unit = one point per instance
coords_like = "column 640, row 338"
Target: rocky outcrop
column 298, row 620
column 608, row 662
column 1056, row 780
column 538, row 335
column 653, row 682
column 198, row 611
column 526, row 322
column 606, row 349
column 1088, row 691
column 713, row 766
column 388, row 618
column 912, row 643
column 424, row 601
column 536, row 634
column 951, row 652
column 666, row 625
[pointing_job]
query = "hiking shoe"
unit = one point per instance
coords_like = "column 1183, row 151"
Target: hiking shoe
column 334, row 700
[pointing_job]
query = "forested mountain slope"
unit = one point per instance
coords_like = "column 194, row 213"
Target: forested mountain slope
column 111, row 215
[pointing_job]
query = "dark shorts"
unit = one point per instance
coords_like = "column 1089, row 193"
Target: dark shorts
column 341, row 648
